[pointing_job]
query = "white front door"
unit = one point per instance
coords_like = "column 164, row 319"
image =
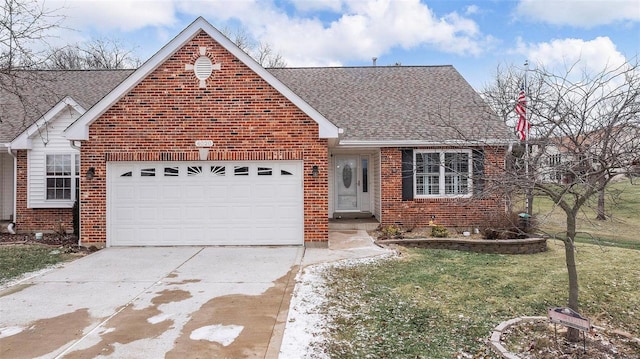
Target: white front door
column 347, row 183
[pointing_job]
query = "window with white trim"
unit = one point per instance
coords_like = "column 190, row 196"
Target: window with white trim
column 442, row 173
column 62, row 178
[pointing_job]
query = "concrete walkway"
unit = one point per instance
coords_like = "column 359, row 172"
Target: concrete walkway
column 171, row 302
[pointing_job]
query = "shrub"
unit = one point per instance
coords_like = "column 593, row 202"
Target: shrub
column 439, row 231
column 507, row 226
column 390, row 232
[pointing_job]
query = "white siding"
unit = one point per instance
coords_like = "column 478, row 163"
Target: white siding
column 374, row 167
column 331, row 174
column 49, row 140
column 6, row 186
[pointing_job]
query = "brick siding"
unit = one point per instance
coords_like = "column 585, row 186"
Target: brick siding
column 37, row 219
column 449, row 212
column 162, row 117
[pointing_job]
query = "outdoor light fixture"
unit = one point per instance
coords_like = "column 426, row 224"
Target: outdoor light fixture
column 314, row 171
column 91, row 172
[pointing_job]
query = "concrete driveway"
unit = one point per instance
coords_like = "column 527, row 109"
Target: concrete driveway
column 173, row 302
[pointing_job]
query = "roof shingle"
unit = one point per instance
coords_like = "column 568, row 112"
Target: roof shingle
column 27, row 95
column 419, row 103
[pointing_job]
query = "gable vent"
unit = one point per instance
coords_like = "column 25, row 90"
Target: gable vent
column 203, row 68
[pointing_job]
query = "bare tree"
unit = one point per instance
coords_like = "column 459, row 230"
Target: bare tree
column 586, row 130
column 23, row 26
column 262, row 52
column 96, row 54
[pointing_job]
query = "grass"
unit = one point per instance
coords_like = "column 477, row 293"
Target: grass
column 621, row 229
column 443, row 304
column 16, row 260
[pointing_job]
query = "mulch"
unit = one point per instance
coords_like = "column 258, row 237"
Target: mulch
column 67, row 241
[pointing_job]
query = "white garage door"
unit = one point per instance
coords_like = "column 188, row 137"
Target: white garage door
column 204, row 203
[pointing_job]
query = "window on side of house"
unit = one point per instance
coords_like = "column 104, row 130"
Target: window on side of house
column 62, row 176
column 442, row 173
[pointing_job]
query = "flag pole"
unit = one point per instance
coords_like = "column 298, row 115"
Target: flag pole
column 528, row 203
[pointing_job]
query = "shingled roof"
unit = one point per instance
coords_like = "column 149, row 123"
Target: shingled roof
column 27, row 95
column 428, row 104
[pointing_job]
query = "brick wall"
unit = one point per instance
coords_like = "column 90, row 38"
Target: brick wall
column 449, row 212
column 37, row 219
column 162, row 117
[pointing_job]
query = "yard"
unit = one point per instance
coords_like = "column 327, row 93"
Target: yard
column 444, row 304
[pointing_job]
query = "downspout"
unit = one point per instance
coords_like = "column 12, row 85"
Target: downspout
column 73, row 145
column 15, row 189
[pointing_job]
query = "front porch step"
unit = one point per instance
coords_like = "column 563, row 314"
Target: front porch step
column 343, row 224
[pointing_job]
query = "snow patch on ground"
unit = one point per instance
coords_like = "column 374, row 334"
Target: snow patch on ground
column 9, row 331
column 307, row 323
column 158, row 318
column 223, row 334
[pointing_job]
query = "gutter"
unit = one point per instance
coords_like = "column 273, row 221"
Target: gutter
column 15, row 186
column 417, row 143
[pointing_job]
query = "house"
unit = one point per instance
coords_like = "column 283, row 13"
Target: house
column 609, row 151
column 203, row 146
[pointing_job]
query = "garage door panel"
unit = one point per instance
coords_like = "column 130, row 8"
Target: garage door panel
column 205, row 203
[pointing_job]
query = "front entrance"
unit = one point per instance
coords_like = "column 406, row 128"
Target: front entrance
column 351, row 183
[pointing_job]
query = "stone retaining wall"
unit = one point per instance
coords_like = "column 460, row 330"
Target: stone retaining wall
column 502, row 246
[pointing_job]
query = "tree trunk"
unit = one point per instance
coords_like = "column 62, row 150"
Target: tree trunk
column 530, row 201
column 573, row 335
column 601, row 215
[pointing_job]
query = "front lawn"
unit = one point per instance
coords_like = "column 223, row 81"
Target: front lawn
column 443, row 304
column 18, row 259
column 621, row 228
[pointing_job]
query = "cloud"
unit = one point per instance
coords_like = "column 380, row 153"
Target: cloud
column 363, row 29
column 579, row 13
column 304, row 32
column 123, row 15
column 593, row 55
column 317, row 5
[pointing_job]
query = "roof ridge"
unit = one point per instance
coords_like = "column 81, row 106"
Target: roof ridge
column 357, row 67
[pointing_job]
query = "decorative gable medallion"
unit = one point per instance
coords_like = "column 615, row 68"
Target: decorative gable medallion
column 203, row 67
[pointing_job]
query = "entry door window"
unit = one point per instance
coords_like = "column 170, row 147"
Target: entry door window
column 347, row 183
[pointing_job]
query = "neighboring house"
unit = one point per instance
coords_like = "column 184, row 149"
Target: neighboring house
column 563, row 159
column 38, row 166
column 201, row 145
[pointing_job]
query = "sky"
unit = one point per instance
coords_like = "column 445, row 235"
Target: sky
column 474, row 36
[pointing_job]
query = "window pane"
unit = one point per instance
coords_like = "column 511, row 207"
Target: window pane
column 148, row 172
column 428, row 173
column 171, row 172
column 264, row 171
column 365, row 175
column 241, row 170
column 456, row 173
column 218, row 170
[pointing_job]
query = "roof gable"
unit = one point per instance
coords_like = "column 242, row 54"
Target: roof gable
column 26, row 96
column 23, row 141
column 79, row 130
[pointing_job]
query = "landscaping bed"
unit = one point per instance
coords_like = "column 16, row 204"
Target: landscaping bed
column 503, row 246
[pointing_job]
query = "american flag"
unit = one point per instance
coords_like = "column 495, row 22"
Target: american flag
column 521, row 109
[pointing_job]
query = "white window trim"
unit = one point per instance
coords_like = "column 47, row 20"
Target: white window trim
column 62, row 203
column 441, row 178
